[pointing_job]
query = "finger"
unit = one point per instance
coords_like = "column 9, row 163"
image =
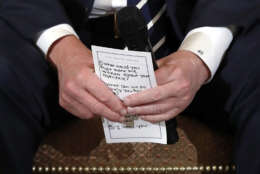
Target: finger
column 158, row 107
column 161, row 61
column 105, row 95
column 162, row 75
column 161, row 117
column 152, row 95
column 75, row 108
column 89, row 101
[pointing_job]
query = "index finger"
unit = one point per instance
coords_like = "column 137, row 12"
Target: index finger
column 104, row 94
column 151, row 95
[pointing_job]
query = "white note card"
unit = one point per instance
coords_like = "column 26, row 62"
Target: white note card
column 128, row 72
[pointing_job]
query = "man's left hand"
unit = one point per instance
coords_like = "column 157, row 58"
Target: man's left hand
column 179, row 77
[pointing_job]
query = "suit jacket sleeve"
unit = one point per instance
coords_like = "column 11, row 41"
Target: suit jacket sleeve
column 240, row 13
column 29, row 17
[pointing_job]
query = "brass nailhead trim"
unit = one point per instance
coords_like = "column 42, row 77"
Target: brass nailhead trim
column 81, row 169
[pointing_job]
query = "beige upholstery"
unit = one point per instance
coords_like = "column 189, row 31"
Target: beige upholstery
column 79, row 147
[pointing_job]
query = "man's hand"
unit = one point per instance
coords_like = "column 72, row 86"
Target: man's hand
column 80, row 90
column 179, row 77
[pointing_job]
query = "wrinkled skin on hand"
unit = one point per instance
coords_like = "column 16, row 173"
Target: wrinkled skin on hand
column 80, row 90
column 179, row 77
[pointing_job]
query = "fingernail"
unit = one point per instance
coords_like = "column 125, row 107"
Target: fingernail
column 123, row 112
column 126, row 101
column 130, row 110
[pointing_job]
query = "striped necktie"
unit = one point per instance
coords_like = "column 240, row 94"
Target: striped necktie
column 154, row 12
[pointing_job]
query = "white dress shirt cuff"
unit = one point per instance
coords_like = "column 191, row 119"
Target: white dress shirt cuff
column 119, row 4
column 50, row 35
column 210, row 44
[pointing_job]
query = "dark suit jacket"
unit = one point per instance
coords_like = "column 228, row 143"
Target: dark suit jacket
column 29, row 17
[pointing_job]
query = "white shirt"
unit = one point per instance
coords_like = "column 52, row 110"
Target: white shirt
column 104, row 7
column 209, row 43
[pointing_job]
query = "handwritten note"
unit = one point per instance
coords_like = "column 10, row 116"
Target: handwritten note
column 127, row 72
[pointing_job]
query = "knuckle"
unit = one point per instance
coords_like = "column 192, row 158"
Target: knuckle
column 97, row 109
column 187, row 98
column 157, row 95
column 178, row 72
column 184, row 86
column 105, row 99
column 69, row 86
column 81, row 75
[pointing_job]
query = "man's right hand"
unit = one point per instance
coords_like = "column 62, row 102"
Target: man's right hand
column 80, row 90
